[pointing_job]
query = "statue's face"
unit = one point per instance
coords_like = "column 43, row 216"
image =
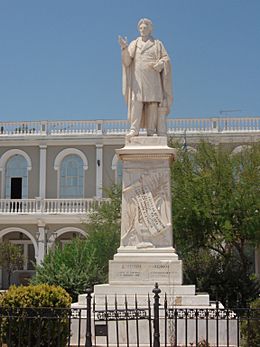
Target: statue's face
column 144, row 30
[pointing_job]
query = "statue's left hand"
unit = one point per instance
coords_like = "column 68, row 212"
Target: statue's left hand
column 158, row 66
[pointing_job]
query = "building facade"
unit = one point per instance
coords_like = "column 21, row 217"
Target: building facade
column 53, row 173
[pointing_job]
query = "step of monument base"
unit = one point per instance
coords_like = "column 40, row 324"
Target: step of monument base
column 133, row 252
column 181, row 296
column 121, row 289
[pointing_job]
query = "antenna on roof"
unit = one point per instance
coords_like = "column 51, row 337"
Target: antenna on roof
column 228, row 111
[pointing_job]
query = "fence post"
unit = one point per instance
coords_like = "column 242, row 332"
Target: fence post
column 88, row 341
column 156, row 317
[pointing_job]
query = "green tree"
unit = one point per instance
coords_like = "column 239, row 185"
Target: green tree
column 216, row 219
column 73, row 267
column 104, row 225
column 11, row 258
column 108, row 215
column 84, row 263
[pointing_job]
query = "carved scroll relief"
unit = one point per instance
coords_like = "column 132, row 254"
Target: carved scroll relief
column 146, row 210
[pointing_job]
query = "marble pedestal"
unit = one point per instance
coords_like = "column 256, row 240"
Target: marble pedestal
column 146, row 254
column 133, row 274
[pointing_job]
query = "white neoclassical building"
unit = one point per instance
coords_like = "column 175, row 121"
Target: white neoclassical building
column 52, row 173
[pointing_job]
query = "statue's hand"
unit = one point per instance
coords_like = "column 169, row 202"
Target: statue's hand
column 122, row 42
column 158, row 66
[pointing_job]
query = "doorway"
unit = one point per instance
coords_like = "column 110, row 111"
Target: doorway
column 16, row 187
column 16, row 193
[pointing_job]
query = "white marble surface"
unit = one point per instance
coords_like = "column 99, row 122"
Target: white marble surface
column 146, row 198
column 146, row 254
column 147, row 81
column 149, row 272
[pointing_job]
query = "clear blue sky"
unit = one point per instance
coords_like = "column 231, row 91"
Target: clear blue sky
column 60, row 59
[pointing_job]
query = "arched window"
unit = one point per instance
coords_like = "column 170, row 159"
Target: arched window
column 16, row 178
column 71, row 177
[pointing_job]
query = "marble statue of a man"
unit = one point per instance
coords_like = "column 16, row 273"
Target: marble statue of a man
column 147, row 85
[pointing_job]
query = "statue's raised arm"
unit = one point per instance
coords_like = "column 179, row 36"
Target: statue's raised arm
column 122, row 42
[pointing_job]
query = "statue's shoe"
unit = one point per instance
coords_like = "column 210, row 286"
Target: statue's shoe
column 131, row 133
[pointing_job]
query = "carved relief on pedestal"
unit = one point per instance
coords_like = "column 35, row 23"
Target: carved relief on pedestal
column 146, row 209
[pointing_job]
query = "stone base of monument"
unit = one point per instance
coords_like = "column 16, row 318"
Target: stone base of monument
column 134, row 273
column 130, row 290
column 132, row 276
column 146, row 255
column 126, row 298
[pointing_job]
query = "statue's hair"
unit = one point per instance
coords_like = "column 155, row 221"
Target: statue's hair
column 146, row 21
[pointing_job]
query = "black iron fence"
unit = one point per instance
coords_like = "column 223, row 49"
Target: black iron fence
column 130, row 321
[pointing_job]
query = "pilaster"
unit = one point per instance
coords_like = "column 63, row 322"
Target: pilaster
column 42, row 179
column 99, row 170
column 42, row 244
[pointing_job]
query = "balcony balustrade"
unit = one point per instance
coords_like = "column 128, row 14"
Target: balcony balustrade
column 49, row 206
column 120, row 127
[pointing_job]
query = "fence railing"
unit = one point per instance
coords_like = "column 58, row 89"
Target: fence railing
column 49, row 206
column 125, row 322
column 161, row 323
column 42, row 327
column 120, row 127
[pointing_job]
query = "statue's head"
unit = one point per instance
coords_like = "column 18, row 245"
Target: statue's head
column 145, row 27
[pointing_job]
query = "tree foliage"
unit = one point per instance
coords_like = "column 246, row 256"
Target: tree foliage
column 107, row 215
column 216, row 218
column 83, row 263
column 250, row 329
column 103, row 229
column 73, row 268
column 11, row 258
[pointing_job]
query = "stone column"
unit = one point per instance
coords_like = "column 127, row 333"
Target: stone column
column 41, row 242
column 42, row 182
column 99, row 170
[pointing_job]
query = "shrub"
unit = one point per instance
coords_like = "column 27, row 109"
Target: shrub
column 79, row 265
column 250, row 329
column 74, row 268
column 35, row 315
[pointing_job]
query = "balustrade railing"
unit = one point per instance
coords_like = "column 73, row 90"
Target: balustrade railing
column 20, row 128
column 21, row 206
column 49, row 206
column 72, row 127
column 120, row 127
